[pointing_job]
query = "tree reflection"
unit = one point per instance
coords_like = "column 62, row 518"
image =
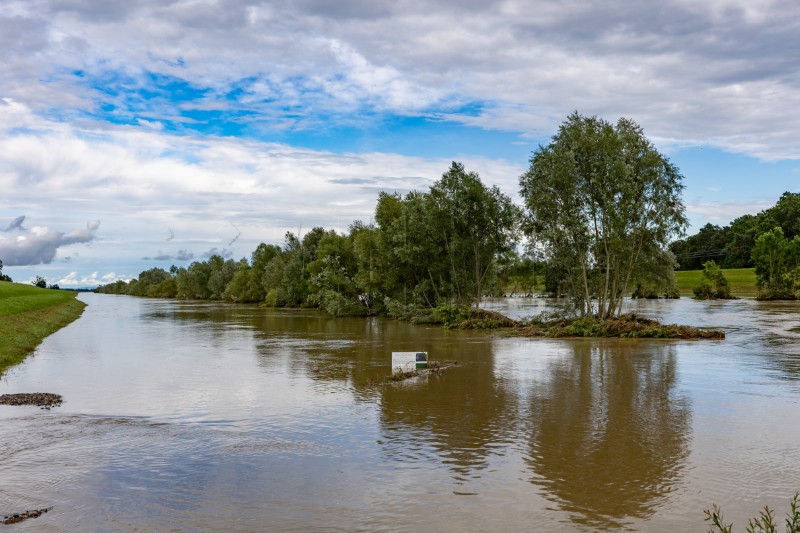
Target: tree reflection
column 609, row 432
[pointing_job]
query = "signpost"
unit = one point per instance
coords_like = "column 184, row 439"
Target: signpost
column 408, row 361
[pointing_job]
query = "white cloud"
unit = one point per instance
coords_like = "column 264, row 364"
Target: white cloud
column 721, row 72
column 173, row 198
column 74, row 280
column 39, row 244
column 718, row 74
column 724, row 213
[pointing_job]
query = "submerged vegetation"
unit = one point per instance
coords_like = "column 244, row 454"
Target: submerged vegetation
column 29, row 314
column 629, row 326
column 777, row 262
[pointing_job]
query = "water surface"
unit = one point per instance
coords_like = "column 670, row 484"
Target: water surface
column 210, row 417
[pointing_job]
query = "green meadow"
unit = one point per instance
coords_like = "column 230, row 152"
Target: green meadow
column 741, row 280
column 29, row 314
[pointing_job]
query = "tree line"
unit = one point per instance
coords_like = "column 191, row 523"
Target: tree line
column 600, row 208
column 768, row 241
column 455, row 243
column 732, row 246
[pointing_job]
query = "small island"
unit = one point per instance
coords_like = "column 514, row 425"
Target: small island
column 626, row 326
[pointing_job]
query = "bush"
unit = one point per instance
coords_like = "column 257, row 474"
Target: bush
column 449, row 314
column 713, row 285
column 395, row 309
column 336, row 304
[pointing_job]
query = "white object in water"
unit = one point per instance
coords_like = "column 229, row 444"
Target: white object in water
column 408, row 361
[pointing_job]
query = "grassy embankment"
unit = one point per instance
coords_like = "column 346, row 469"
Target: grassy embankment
column 741, row 280
column 28, row 315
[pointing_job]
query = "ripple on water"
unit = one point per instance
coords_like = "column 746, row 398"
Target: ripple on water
column 180, row 416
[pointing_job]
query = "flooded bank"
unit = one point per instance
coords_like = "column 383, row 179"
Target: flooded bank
column 213, row 417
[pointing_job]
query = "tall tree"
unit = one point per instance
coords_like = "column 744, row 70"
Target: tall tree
column 777, row 261
column 603, row 201
column 476, row 225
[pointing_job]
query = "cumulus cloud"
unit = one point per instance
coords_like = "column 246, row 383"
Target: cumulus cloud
column 721, row 72
column 137, row 120
column 207, row 188
column 73, row 279
column 21, row 247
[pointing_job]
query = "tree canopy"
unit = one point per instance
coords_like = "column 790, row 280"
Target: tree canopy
column 446, row 245
column 777, row 261
column 733, row 245
column 604, row 204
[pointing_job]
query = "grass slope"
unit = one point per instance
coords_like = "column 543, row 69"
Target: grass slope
column 28, row 315
column 741, row 280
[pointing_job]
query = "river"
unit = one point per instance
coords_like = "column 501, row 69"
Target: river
column 197, row 416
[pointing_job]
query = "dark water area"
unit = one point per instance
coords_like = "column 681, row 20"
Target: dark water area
column 187, row 416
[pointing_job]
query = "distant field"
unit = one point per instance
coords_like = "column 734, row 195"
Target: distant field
column 29, row 314
column 741, row 280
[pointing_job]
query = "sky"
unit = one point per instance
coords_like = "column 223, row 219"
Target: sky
column 148, row 133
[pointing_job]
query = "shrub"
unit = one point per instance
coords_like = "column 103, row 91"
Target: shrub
column 395, row 309
column 336, row 304
column 713, row 285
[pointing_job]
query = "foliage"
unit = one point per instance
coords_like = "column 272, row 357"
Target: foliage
column 713, row 285
column 477, row 226
column 732, row 245
column 3, row 277
column 398, row 310
column 452, row 245
column 658, row 281
column 763, row 523
column 39, row 282
column 605, row 204
column 524, row 273
column 777, row 261
column 444, row 246
column 708, row 243
column 629, row 326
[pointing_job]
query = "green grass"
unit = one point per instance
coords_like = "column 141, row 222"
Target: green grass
column 29, row 314
column 741, row 280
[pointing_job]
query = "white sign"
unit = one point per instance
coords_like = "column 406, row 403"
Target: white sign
column 408, row 361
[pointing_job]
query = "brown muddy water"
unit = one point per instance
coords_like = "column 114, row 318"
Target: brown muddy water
column 185, row 416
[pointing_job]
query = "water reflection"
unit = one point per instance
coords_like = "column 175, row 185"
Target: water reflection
column 609, row 432
column 459, row 419
column 214, row 417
